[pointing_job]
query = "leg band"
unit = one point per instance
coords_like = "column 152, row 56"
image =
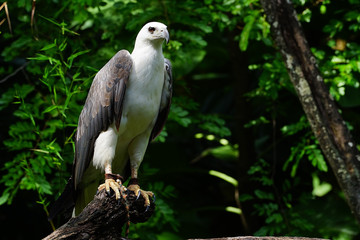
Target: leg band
column 133, row 181
column 114, row 176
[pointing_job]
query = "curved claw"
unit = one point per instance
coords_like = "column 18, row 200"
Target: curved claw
column 111, row 184
column 147, row 208
column 138, row 195
column 108, row 193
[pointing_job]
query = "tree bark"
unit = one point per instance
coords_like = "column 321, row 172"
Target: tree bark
column 103, row 218
column 322, row 113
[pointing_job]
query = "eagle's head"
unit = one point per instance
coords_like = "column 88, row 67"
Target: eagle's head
column 153, row 32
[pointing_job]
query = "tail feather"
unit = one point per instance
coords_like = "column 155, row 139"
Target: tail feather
column 65, row 201
column 85, row 195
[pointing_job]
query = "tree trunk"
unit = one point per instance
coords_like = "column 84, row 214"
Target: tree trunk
column 326, row 122
column 103, row 218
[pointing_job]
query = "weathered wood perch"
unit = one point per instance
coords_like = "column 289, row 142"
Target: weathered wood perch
column 103, row 218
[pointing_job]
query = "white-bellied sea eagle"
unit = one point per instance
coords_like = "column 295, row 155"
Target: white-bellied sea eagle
column 126, row 108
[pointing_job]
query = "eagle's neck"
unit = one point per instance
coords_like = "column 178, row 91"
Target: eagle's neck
column 148, row 55
column 148, row 64
column 147, row 45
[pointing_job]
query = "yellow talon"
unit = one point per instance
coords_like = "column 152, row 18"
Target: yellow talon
column 145, row 194
column 114, row 185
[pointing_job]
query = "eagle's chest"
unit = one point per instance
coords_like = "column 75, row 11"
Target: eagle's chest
column 142, row 98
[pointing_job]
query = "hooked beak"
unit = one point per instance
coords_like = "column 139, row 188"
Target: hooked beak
column 166, row 36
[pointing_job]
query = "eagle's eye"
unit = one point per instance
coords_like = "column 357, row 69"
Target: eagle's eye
column 151, row 30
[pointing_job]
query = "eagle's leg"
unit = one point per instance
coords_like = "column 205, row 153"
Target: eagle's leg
column 112, row 181
column 137, row 150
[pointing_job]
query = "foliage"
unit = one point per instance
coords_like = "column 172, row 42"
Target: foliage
column 284, row 184
column 46, row 115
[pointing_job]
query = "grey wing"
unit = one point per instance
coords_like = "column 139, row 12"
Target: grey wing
column 103, row 106
column 165, row 102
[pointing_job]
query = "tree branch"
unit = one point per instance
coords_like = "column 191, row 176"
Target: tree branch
column 325, row 120
column 103, row 218
column 14, row 73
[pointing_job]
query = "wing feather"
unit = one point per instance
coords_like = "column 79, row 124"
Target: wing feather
column 165, row 102
column 103, row 106
column 119, row 94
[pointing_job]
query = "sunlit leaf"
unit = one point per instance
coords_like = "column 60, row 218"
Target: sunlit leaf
column 244, row 37
column 233, row 210
column 4, row 197
column 224, row 177
column 320, row 189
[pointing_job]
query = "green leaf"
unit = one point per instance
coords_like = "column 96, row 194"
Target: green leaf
column 39, row 57
column 264, row 195
column 244, row 37
column 224, row 177
column 50, row 108
column 292, row 129
column 320, row 189
column 6, row 98
column 323, row 9
column 75, row 55
column 214, row 124
column 233, row 210
column 62, row 46
column 62, row 26
column 316, row 157
column 225, row 152
column 49, row 46
column 4, row 197
column 305, row 15
column 255, row 122
column 180, row 115
column 276, row 218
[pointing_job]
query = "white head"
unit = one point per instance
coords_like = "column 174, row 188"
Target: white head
column 154, row 33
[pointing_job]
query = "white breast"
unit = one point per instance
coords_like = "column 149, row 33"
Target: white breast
column 143, row 94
